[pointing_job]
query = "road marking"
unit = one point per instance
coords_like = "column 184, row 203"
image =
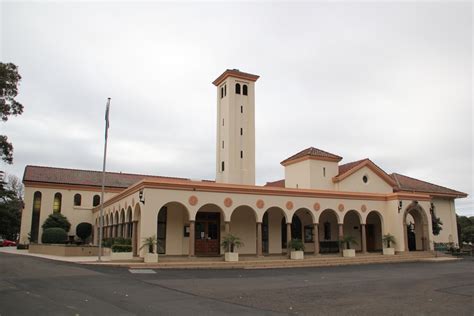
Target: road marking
column 141, row 271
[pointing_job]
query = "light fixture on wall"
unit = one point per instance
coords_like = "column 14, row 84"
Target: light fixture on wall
column 400, row 205
column 141, row 196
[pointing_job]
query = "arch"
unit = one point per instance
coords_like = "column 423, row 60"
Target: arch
column 274, row 221
column 329, row 210
column 208, row 220
column 77, row 199
column 244, row 89
column 121, row 226
column 136, row 228
column 374, row 231
column 328, row 231
column 352, row 227
column 136, row 212
column 237, row 88
column 171, row 218
column 57, row 202
column 416, row 234
column 96, row 200
column 303, row 227
column 243, row 221
column 254, row 212
column 35, row 218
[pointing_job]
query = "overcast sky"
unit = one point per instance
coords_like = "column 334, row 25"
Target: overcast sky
column 391, row 82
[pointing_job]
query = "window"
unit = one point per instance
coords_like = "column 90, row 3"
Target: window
column 237, row 88
column 241, row 131
column 327, row 231
column 35, row 219
column 222, row 166
column 365, row 179
column 225, row 90
column 241, row 109
column 77, row 199
column 96, row 200
column 244, row 89
column 222, row 92
column 324, row 172
column 222, row 144
column 222, row 122
column 308, row 233
column 241, row 154
column 57, row 203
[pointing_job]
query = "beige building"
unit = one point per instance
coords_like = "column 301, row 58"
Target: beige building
column 319, row 201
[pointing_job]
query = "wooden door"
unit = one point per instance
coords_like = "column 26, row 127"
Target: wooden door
column 207, row 237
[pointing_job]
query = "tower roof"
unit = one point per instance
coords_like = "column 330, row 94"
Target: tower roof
column 235, row 73
column 311, row 153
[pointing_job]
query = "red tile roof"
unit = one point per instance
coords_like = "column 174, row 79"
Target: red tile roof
column 348, row 166
column 278, row 183
column 235, row 73
column 312, row 152
column 84, row 177
column 405, row 183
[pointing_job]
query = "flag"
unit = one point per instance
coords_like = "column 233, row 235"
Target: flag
column 107, row 118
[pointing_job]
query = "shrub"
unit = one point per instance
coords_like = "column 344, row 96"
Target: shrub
column 57, row 220
column 83, row 231
column 121, row 248
column 296, row 245
column 231, row 242
column 54, row 235
column 109, row 242
column 21, row 246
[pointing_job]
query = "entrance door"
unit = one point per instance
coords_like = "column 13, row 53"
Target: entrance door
column 207, row 234
column 370, row 237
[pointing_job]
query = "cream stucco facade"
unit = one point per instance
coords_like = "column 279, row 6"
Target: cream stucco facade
column 319, row 201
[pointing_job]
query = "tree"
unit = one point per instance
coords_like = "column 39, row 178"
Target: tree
column 11, row 204
column 465, row 228
column 83, row 231
column 57, row 220
column 9, row 80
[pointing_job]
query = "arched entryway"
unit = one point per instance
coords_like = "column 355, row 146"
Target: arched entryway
column 243, row 224
column 416, row 228
column 328, row 232
column 273, row 232
column 374, row 231
column 352, row 227
column 302, row 228
column 172, row 229
column 129, row 223
column 136, row 229
column 208, row 230
column 121, row 224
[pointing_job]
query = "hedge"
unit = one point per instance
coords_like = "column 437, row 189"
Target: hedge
column 54, row 235
column 121, row 248
column 108, row 242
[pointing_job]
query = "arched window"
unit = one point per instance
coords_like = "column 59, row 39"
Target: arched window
column 35, row 217
column 237, row 88
column 77, row 199
column 244, row 89
column 96, row 200
column 57, row 203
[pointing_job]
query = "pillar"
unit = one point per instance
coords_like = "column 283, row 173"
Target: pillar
column 192, row 238
column 288, row 237
column 259, row 239
column 341, row 235
column 364, row 240
column 135, row 239
column 316, row 238
column 227, row 228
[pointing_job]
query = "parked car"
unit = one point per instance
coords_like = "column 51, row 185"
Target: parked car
column 7, row 243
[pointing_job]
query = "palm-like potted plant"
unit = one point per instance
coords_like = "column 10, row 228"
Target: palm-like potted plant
column 296, row 249
column 150, row 243
column 230, row 243
column 347, row 241
column 388, row 240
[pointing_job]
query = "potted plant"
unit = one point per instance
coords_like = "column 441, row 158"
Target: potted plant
column 296, row 249
column 231, row 243
column 150, row 243
column 347, row 241
column 388, row 240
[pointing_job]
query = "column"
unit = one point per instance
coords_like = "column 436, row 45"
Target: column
column 341, row 235
column 135, row 239
column 364, row 240
column 316, row 238
column 227, row 228
column 288, row 237
column 259, row 239
column 192, row 238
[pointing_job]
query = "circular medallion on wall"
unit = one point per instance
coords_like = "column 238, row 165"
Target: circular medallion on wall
column 193, row 200
column 260, row 203
column 289, row 205
column 228, row 202
column 341, row 207
column 363, row 208
column 316, row 206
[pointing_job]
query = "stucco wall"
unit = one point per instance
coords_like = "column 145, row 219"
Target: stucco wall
column 354, row 183
column 445, row 210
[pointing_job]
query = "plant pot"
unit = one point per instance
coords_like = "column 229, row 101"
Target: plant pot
column 121, row 256
column 297, row 255
column 151, row 257
column 231, row 256
column 389, row 251
column 348, row 253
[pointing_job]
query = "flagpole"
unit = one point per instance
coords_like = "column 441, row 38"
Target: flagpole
column 101, row 213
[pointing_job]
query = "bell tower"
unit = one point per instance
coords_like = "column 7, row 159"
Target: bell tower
column 235, row 146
